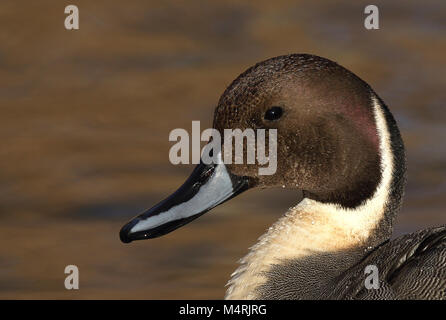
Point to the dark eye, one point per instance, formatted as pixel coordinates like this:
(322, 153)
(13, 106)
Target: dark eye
(273, 113)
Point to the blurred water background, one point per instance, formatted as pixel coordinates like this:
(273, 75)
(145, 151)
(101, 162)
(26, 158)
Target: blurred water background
(85, 117)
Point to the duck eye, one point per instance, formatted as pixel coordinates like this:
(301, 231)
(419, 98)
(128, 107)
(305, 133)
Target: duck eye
(273, 113)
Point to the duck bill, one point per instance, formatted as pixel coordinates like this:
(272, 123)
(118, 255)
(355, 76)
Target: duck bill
(207, 187)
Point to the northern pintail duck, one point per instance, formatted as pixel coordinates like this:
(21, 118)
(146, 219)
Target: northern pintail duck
(338, 142)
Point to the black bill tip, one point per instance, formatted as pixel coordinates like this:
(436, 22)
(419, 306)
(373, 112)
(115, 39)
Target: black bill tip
(125, 234)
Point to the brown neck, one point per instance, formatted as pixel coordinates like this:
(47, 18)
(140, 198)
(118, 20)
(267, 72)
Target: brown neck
(324, 239)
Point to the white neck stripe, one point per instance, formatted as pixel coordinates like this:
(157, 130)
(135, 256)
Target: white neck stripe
(312, 226)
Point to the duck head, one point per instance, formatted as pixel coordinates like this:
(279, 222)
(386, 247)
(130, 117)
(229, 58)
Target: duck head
(328, 142)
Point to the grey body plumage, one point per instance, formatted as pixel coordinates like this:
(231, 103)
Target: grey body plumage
(412, 266)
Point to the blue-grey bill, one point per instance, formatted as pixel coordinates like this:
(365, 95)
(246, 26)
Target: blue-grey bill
(207, 187)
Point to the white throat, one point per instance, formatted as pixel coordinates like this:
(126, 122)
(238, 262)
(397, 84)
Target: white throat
(312, 227)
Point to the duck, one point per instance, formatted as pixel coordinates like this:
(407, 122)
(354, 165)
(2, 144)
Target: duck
(338, 144)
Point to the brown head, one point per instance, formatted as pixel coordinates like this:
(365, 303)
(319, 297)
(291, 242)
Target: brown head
(327, 142)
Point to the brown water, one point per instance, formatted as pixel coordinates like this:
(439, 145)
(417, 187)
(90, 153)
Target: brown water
(85, 117)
